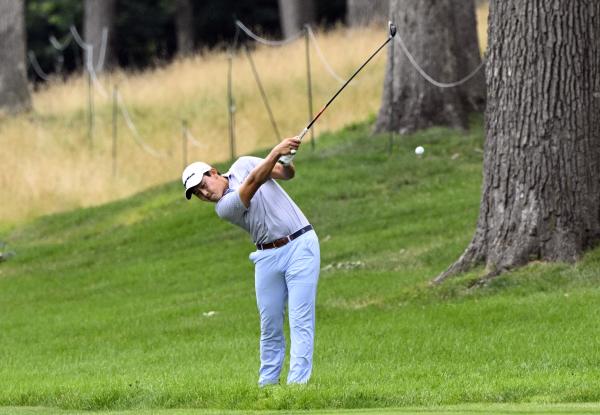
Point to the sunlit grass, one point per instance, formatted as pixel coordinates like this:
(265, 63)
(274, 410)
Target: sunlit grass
(109, 307)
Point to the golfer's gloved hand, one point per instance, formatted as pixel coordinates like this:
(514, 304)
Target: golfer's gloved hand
(288, 146)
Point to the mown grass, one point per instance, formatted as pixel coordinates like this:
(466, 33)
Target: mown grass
(104, 307)
(487, 409)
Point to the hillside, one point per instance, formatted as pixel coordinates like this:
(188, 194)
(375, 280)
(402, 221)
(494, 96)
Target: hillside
(55, 159)
(110, 307)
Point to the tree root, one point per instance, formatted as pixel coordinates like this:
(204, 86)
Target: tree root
(470, 258)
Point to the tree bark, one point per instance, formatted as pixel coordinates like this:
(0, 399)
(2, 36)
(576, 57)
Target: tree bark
(365, 12)
(541, 171)
(428, 30)
(184, 27)
(99, 14)
(294, 14)
(14, 92)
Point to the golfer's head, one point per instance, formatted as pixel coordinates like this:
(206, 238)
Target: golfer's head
(203, 181)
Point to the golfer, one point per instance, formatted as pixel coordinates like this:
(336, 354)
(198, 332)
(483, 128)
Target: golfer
(287, 258)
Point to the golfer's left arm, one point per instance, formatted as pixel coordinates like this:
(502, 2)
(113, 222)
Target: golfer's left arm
(283, 172)
(268, 169)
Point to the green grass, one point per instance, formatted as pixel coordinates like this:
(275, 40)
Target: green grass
(102, 308)
(487, 409)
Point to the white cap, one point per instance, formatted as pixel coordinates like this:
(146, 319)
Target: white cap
(192, 176)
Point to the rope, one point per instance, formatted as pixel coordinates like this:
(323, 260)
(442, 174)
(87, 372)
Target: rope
(90, 69)
(36, 66)
(193, 140)
(322, 57)
(78, 38)
(60, 46)
(136, 135)
(102, 54)
(429, 78)
(89, 56)
(266, 41)
(89, 48)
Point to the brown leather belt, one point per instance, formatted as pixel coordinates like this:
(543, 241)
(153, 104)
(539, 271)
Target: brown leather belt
(283, 241)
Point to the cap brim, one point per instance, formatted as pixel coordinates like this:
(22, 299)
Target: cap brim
(192, 183)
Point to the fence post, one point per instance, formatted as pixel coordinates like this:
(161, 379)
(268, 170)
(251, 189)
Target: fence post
(114, 131)
(391, 103)
(309, 85)
(263, 95)
(231, 107)
(184, 142)
(90, 111)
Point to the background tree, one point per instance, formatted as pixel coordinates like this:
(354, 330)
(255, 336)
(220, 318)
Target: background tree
(429, 30)
(469, 55)
(99, 14)
(294, 14)
(14, 94)
(364, 12)
(45, 18)
(541, 169)
(184, 26)
(147, 30)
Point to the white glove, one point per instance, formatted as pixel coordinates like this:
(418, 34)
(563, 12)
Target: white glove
(287, 159)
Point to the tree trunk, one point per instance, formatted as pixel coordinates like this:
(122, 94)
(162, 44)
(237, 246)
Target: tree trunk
(294, 14)
(469, 55)
(364, 12)
(428, 30)
(99, 14)
(14, 93)
(541, 170)
(184, 27)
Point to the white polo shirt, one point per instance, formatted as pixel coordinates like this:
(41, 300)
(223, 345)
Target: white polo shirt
(272, 214)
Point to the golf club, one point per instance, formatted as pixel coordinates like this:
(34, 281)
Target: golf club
(285, 160)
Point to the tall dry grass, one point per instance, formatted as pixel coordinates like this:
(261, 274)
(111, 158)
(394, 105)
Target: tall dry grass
(47, 163)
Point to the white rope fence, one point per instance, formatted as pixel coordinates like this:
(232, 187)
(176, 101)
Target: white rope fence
(103, 45)
(134, 131)
(192, 140)
(322, 57)
(92, 70)
(36, 66)
(266, 41)
(424, 74)
(89, 49)
(94, 77)
(338, 78)
(60, 46)
(313, 39)
(56, 44)
(89, 58)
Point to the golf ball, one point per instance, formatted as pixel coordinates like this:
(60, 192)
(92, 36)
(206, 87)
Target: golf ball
(419, 150)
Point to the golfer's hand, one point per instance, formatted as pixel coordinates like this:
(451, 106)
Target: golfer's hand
(287, 146)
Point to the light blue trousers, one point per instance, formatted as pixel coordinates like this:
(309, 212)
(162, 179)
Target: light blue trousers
(287, 274)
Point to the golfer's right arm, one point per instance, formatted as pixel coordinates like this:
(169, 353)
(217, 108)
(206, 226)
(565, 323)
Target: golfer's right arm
(261, 173)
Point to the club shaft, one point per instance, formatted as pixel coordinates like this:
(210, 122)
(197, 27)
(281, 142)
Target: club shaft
(346, 83)
(285, 160)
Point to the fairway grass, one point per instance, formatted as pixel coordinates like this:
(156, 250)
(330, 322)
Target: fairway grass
(109, 308)
(488, 409)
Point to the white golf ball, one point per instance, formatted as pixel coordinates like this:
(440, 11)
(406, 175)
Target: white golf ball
(419, 150)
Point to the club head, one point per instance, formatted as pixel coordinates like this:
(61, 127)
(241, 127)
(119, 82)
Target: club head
(392, 29)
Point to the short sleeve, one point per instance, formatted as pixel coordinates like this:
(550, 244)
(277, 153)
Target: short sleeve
(244, 165)
(230, 207)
